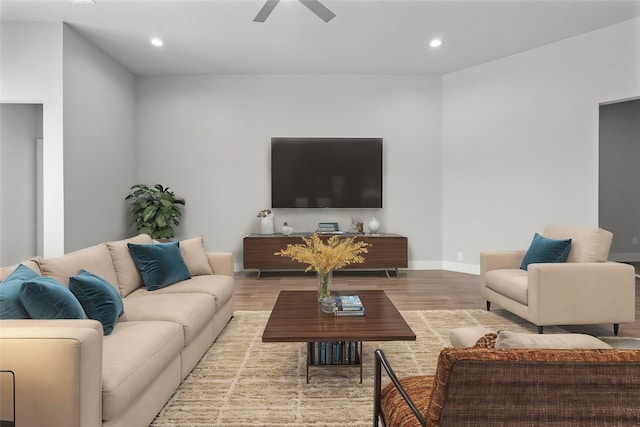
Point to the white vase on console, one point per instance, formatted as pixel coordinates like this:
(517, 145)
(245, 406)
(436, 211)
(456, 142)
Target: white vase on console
(266, 224)
(287, 229)
(374, 225)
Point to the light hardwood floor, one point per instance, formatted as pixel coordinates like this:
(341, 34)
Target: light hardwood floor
(412, 290)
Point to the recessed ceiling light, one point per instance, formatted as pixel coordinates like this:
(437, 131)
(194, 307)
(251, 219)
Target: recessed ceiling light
(157, 42)
(435, 43)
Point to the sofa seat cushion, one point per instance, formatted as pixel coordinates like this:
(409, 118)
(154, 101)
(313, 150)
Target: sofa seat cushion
(393, 407)
(221, 287)
(134, 355)
(192, 311)
(512, 283)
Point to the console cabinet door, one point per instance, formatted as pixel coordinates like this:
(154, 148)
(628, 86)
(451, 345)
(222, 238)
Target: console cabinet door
(386, 252)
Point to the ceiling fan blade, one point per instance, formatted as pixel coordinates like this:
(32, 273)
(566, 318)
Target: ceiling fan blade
(319, 9)
(266, 11)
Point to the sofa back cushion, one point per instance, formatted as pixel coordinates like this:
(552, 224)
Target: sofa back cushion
(508, 339)
(195, 256)
(588, 387)
(95, 259)
(128, 276)
(587, 244)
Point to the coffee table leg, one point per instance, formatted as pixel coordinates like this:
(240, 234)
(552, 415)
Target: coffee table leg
(309, 350)
(361, 362)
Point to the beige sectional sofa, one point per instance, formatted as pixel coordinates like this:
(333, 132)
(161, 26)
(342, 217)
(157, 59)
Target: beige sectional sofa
(69, 374)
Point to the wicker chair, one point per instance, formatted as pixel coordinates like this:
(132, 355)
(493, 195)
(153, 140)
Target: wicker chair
(514, 387)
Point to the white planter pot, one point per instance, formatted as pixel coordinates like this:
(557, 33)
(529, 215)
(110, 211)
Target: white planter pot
(266, 224)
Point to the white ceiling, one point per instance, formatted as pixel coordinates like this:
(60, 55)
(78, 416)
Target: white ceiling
(366, 37)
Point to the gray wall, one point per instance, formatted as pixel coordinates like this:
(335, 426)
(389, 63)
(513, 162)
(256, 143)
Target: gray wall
(99, 143)
(619, 206)
(36, 78)
(474, 160)
(208, 138)
(520, 141)
(20, 128)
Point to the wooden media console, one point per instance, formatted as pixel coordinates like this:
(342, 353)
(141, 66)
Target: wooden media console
(388, 251)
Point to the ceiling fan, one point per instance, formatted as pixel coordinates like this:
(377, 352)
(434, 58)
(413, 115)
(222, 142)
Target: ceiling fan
(313, 5)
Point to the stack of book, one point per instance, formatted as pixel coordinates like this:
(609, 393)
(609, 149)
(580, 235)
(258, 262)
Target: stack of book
(349, 305)
(329, 228)
(334, 353)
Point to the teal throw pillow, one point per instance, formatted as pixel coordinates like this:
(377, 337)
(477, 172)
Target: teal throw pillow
(160, 264)
(10, 305)
(100, 300)
(543, 250)
(46, 298)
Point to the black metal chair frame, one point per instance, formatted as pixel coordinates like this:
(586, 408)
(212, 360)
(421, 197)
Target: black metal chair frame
(380, 362)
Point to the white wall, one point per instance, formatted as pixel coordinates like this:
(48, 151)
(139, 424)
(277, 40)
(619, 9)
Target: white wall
(99, 143)
(18, 205)
(520, 142)
(31, 72)
(208, 138)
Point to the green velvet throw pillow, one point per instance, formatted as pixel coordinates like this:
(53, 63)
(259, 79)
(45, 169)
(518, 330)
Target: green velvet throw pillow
(160, 264)
(543, 250)
(46, 298)
(100, 300)
(10, 305)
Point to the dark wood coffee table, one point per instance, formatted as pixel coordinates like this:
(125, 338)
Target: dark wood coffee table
(298, 317)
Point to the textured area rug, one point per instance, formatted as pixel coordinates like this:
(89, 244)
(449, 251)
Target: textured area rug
(242, 381)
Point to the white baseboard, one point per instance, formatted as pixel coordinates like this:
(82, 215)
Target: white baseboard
(427, 265)
(461, 267)
(625, 257)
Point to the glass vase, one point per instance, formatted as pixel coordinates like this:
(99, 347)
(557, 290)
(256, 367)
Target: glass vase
(324, 285)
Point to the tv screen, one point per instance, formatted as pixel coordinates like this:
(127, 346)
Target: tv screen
(326, 172)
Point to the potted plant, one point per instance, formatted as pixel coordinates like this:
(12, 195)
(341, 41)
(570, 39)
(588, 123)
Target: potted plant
(155, 210)
(324, 257)
(266, 221)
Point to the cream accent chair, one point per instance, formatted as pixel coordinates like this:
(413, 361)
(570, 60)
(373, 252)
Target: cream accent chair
(586, 289)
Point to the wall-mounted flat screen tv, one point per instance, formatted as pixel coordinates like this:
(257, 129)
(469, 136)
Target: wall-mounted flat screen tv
(326, 172)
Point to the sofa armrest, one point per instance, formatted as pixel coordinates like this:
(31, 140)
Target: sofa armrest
(58, 371)
(498, 260)
(221, 263)
(586, 292)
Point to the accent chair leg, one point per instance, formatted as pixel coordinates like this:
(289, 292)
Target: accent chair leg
(616, 327)
(488, 305)
(541, 329)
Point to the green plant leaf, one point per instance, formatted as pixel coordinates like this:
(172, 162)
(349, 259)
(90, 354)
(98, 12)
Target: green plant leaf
(149, 213)
(154, 210)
